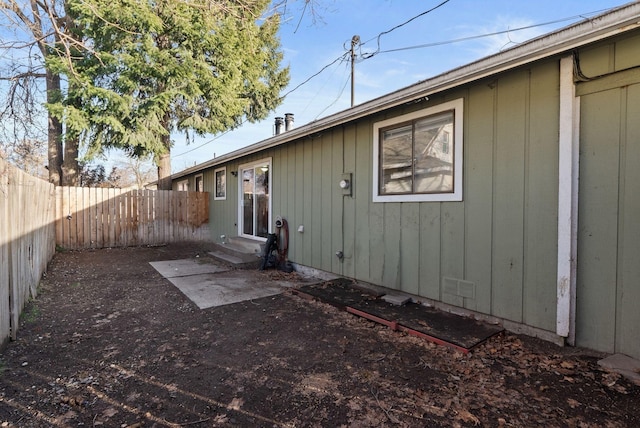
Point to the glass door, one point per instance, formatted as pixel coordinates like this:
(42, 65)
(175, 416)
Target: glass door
(255, 209)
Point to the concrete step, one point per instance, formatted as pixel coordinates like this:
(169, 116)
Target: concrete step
(240, 252)
(240, 263)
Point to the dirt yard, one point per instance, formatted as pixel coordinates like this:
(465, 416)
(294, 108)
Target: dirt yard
(109, 342)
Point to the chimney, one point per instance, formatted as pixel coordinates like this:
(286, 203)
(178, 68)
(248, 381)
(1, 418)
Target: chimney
(288, 121)
(279, 123)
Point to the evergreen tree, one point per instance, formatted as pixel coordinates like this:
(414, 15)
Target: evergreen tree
(154, 67)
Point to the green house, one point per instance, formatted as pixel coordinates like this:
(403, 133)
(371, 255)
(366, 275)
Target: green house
(507, 189)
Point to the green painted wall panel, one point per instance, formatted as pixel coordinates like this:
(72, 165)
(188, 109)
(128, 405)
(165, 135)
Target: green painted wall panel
(279, 189)
(327, 206)
(627, 53)
(299, 201)
(430, 256)
(377, 218)
(452, 247)
(508, 212)
(452, 232)
(598, 216)
(478, 192)
(628, 319)
(337, 211)
(541, 190)
(289, 210)
(507, 217)
(361, 192)
(610, 56)
(349, 219)
(410, 248)
(307, 193)
(225, 213)
(316, 202)
(596, 60)
(376, 243)
(391, 230)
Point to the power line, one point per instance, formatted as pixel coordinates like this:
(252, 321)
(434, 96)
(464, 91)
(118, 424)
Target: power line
(341, 57)
(336, 99)
(210, 141)
(401, 25)
(479, 36)
(344, 56)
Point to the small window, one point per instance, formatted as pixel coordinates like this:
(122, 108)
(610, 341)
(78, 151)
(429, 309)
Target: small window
(418, 156)
(221, 184)
(199, 183)
(183, 185)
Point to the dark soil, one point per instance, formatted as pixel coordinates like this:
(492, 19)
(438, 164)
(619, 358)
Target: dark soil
(109, 342)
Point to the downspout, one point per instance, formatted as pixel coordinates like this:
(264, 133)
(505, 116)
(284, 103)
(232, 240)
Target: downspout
(568, 163)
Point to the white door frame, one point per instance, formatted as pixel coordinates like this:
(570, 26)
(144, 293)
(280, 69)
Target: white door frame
(241, 168)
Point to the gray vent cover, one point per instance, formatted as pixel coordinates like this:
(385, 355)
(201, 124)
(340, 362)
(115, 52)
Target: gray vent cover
(459, 287)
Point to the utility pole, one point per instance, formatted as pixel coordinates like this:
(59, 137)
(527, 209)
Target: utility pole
(354, 41)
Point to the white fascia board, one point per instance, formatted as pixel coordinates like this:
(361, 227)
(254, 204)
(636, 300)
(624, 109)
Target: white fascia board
(620, 20)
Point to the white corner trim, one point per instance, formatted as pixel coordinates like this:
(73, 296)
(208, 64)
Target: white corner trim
(567, 199)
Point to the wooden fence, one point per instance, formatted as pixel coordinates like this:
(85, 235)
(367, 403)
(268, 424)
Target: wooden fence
(27, 242)
(102, 218)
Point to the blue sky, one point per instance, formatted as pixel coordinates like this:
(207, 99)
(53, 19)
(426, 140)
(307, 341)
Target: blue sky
(312, 41)
(309, 46)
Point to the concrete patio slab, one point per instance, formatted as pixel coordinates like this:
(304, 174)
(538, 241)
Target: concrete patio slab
(209, 285)
(626, 366)
(177, 268)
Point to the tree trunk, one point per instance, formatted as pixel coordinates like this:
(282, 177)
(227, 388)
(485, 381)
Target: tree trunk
(54, 131)
(164, 160)
(70, 166)
(164, 171)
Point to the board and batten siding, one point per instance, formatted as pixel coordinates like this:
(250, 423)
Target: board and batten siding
(500, 241)
(608, 285)
(496, 251)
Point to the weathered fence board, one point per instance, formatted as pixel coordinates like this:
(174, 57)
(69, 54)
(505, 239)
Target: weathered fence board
(35, 216)
(27, 232)
(102, 218)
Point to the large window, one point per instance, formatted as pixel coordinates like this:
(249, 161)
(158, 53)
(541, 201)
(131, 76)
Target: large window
(418, 156)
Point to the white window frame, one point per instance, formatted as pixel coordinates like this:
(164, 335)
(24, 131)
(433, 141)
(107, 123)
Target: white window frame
(195, 182)
(183, 185)
(457, 107)
(215, 181)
